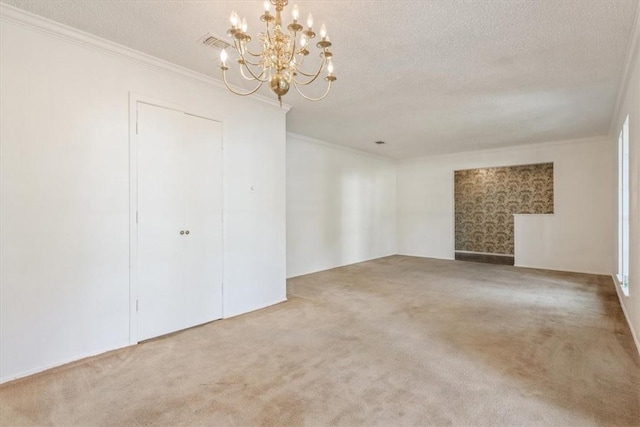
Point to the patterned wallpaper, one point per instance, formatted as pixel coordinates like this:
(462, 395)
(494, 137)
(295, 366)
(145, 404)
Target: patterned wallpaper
(486, 199)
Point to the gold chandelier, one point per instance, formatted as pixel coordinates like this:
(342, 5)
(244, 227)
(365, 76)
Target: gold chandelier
(280, 63)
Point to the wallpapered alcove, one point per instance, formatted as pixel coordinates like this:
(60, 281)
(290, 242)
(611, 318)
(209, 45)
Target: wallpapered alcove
(487, 198)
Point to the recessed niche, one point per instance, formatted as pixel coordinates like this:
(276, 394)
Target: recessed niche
(486, 200)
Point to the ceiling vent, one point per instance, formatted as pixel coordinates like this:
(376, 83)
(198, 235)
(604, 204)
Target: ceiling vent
(209, 40)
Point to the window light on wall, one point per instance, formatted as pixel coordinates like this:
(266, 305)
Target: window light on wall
(623, 207)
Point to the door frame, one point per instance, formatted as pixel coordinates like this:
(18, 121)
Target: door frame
(134, 99)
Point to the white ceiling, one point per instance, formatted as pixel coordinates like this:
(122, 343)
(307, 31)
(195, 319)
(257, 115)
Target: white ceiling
(427, 77)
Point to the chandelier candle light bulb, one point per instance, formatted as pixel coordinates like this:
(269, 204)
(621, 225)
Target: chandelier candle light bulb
(223, 57)
(280, 62)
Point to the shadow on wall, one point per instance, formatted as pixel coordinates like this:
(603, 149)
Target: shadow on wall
(487, 198)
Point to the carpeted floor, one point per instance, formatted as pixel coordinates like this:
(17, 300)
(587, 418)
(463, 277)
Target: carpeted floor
(399, 341)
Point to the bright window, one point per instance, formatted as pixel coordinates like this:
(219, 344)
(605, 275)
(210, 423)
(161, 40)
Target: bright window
(623, 207)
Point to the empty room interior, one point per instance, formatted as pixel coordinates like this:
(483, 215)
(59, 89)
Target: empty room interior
(329, 213)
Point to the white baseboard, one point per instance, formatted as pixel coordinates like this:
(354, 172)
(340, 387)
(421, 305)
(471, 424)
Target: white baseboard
(327, 268)
(621, 297)
(535, 267)
(57, 364)
(447, 258)
(254, 309)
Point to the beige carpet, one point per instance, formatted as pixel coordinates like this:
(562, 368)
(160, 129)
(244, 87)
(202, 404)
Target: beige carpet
(392, 342)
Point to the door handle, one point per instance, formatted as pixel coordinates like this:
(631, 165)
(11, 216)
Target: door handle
(181, 231)
(187, 232)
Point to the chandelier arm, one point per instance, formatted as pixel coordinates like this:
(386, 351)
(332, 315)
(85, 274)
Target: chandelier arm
(239, 50)
(302, 55)
(309, 75)
(246, 49)
(293, 49)
(245, 65)
(246, 61)
(313, 76)
(256, 55)
(253, 77)
(224, 78)
(295, 85)
(301, 60)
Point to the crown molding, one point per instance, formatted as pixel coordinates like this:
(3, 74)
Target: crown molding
(625, 75)
(338, 147)
(537, 145)
(533, 146)
(55, 29)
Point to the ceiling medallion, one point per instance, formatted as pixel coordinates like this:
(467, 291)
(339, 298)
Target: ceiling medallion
(280, 62)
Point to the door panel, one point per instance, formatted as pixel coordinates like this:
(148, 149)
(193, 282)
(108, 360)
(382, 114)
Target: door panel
(160, 219)
(179, 189)
(203, 213)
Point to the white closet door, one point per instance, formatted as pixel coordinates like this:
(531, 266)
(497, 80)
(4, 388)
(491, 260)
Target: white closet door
(203, 202)
(160, 218)
(179, 181)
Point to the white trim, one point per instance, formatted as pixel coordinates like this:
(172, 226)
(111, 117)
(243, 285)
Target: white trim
(66, 361)
(133, 226)
(340, 266)
(55, 29)
(633, 48)
(537, 145)
(621, 296)
(426, 256)
(253, 310)
(339, 147)
(595, 273)
(452, 191)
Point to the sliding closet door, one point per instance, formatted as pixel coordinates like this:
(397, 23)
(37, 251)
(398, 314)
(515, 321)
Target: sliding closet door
(179, 230)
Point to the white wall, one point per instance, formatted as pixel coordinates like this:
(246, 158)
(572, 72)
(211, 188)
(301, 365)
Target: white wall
(64, 213)
(340, 206)
(577, 237)
(629, 104)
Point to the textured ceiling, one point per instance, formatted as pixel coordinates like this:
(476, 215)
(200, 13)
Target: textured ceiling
(425, 76)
